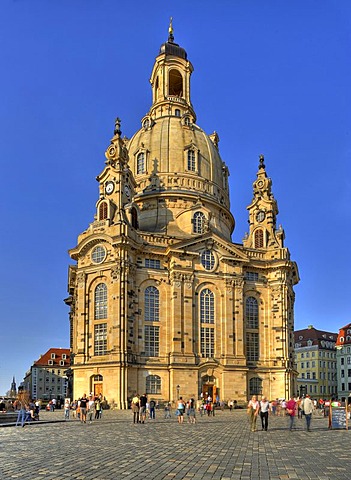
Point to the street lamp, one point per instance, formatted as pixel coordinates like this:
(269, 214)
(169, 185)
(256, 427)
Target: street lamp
(178, 390)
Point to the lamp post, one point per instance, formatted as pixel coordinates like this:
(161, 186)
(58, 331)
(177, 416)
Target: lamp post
(178, 390)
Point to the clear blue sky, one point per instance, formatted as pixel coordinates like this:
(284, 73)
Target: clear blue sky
(270, 77)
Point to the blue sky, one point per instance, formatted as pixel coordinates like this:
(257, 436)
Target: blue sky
(270, 77)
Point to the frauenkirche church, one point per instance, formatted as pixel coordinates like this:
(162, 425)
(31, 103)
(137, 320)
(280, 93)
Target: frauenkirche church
(161, 300)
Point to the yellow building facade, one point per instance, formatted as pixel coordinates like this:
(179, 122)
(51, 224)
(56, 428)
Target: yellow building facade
(161, 300)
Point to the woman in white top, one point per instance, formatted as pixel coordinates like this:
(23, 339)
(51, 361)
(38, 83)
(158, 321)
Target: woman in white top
(253, 408)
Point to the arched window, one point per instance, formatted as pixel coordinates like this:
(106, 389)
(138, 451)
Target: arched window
(198, 222)
(191, 165)
(177, 112)
(175, 83)
(134, 214)
(252, 332)
(259, 238)
(152, 304)
(207, 332)
(100, 298)
(255, 386)
(157, 86)
(206, 306)
(207, 259)
(103, 211)
(141, 163)
(153, 384)
(251, 313)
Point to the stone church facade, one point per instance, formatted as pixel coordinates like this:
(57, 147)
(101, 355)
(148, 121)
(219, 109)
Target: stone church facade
(161, 300)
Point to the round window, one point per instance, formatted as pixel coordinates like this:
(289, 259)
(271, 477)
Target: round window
(98, 254)
(207, 260)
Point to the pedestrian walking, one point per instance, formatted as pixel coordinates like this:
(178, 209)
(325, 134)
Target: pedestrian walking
(91, 408)
(142, 408)
(97, 408)
(180, 410)
(83, 408)
(152, 407)
(74, 406)
(307, 408)
(168, 410)
(66, 408)
(291, 407)
(191, 411)
(264, 411)
(135, 408)
(253, 408)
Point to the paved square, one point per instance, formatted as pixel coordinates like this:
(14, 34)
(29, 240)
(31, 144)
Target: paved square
(216, 448)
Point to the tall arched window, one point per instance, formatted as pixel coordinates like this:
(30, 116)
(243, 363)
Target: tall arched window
(141, 163)
(152, 304)
(198, 222)
(259, 238)
(153, 384)
(206, 306)
(134, 215)
(251, 313)
(103, 211)
(252, 332)
(191, 161)
(175, 83)
(207, 331)
(100, 298)
(255, 386)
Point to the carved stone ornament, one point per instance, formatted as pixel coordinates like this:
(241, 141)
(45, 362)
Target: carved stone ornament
(188, 279)
(176, 278)
(81, 277)
(115, 272)
(239, 282)
(111, 152)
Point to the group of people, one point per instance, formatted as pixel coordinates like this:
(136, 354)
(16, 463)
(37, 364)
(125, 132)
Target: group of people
(85, 408)
(139, 408)
(186, 408)
(142, 409)
(290, 408)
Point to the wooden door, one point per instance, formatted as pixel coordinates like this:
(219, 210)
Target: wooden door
(97, 389)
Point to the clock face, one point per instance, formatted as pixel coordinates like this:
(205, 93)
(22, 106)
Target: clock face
(109, 187)
(260, 216)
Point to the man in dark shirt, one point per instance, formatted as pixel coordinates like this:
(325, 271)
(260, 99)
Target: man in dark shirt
(83, 408)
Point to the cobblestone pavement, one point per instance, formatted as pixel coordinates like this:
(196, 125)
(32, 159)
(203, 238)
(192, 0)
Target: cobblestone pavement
(222, 447)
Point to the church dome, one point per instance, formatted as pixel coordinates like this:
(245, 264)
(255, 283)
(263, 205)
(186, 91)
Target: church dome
(173, 159)
(181, 155)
